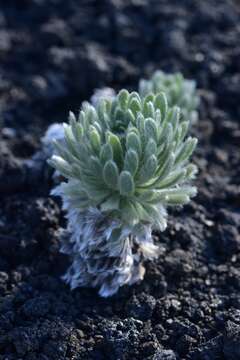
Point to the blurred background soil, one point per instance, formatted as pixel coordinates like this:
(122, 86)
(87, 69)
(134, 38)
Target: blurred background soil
(53, 53)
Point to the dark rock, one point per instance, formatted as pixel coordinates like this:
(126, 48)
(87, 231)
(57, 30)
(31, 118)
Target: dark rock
(141, 307)
(121, 337)
(3, 282)
(209, 350)
(9, 246)
(165, 355)
(37, 307)
(227, 240)
(231, 341)
(11, 169)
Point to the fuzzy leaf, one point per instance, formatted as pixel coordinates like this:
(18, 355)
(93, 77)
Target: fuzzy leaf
(95, 140)
(131, 162)
(178, 199)
(115, 143)
(111, 174)
(126, 183)
(140, 123)
(61, 165)
(172, 179)
(191, 171)
(135, 106)
(186, 150)
(162, 104)
(151, 148)
(133, 142)
(130, 117)
(123, 98)
(106, 153)
(148, 170)
(112, 203)
(148, 109)
(95, 166)
(151, 130)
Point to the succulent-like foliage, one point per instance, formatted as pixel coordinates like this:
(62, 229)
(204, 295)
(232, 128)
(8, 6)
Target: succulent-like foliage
(179, 91)
(125, 162)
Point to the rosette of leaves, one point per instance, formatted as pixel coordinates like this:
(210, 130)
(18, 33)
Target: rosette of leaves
(124, 163)
(179, 91)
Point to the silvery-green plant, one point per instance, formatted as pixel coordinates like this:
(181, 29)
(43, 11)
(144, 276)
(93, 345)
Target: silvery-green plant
(124, 163)
(179, 91)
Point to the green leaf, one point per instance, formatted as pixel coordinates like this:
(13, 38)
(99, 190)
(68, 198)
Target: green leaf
(191, 171)
(62, 151)
(69, 139)
(151, 196)
(130, 117)
(91, 114)
(95, 166)
(95, 140)
(123, 98)
(161, 103)
(112, 203)
(128, 211)
(82, 152)
(178, 196)
(133, 142)
(106, 153)
(166, 134)
(140, 123)
(103, 118)
(135, 106)
(184, 129)
(172, 179)
(111, 174)
(119, 115)
(76, 171)
(148, 170)
(151, 130)
(76, 127)
(142, 213)
(149, 98)
(174, 117)
(186, 150)
(74, 189)
(158, 117)
(152, 211)
(177, 199)
(83, 120)
(165, 168)
(134, 95)
(61, 165)
(115, 143)
(151, 148)
(131, 162)
(148, 109)
(97, 195)
(126, 183)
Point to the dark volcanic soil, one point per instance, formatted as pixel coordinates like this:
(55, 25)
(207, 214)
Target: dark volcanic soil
(53, 53)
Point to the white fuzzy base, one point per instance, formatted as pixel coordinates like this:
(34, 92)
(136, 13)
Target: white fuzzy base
(105, 253)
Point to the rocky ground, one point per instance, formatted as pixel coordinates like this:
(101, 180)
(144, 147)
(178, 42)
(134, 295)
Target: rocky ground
(53, 53)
